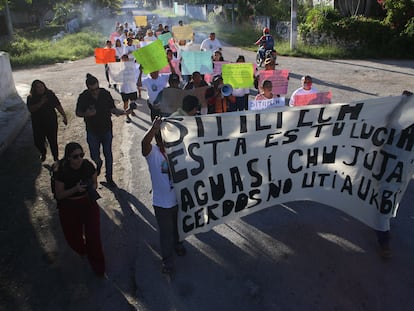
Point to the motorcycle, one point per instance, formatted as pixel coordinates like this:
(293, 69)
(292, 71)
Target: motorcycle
(267, 54)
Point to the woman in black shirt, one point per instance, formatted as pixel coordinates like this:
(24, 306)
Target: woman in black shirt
(75, 192)
(42, 103)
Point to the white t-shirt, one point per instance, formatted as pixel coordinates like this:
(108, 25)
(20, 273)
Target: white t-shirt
(154, 86)
(163, 194)
(150, 38)
(128, 49)
(210, 45)
(301, 91)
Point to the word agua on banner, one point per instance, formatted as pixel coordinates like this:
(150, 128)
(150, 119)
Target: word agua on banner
(356, 157)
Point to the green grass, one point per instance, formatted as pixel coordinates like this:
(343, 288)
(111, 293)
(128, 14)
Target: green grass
(36, 47)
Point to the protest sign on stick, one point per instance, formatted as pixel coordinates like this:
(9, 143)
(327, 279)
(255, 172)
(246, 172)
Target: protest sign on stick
(152, 57)
(184, 32)
(313, 99)
(104, 56)
(196, 61)
(141, 20)
(279, 79)
(238, 75)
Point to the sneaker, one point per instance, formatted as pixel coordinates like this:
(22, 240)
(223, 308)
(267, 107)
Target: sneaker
(128, 120)
(110, 183)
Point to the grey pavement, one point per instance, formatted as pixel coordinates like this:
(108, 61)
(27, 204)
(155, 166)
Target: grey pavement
(294, 256)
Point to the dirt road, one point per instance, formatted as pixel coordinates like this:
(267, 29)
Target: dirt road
(299, 256)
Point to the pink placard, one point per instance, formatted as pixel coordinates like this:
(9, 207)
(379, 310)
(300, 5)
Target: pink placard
(313, 99)
(176, 64)
(279, 79)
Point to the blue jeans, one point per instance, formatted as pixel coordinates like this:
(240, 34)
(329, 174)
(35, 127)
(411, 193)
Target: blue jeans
(95, 141)
(262, 52)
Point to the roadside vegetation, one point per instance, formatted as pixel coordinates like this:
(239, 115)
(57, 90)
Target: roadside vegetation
(323, 33)
(32, 47)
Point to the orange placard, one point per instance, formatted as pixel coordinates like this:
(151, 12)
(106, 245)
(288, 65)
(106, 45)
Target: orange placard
(104, 56)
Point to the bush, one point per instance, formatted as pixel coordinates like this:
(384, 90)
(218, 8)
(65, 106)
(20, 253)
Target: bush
(409, 28)
(364, 37)
(30, 52)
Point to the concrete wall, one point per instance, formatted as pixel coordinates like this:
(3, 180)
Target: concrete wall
(8, 92)
(13, 111)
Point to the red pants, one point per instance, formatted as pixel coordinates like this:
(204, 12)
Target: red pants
(81, 226)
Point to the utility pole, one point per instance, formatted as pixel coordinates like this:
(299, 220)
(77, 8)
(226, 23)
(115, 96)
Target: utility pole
(8, 20)
(293, 24)
(232, 13)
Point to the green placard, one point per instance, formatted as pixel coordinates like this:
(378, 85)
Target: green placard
(238, 75)
(152, 57)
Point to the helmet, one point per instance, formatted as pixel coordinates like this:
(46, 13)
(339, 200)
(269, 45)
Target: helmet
(266, 30)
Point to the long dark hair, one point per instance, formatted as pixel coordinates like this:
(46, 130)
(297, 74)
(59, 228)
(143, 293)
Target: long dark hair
(33, 88)
(69, 148)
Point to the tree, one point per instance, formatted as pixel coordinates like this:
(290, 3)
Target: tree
(398, 12)
(366, 8)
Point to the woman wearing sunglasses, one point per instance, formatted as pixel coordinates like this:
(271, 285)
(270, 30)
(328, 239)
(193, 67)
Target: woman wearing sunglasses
(75, 192)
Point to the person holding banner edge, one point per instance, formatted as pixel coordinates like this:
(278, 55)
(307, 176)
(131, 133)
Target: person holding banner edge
(306, 88)
(164, 199)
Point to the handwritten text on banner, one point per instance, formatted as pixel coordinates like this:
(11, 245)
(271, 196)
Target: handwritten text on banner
(357, 157)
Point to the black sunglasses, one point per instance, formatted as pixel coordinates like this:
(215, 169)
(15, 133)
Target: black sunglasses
(77, 156)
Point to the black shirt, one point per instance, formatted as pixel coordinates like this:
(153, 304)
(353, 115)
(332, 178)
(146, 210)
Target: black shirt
(46, 114)
(70, 177)
(101, 122)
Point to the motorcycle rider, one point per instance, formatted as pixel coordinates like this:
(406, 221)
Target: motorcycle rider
(265, 43)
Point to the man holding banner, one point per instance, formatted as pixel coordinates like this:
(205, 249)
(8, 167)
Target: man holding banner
(164, 199)
(306, 89)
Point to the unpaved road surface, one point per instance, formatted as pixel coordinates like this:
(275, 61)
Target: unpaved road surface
(295, 256)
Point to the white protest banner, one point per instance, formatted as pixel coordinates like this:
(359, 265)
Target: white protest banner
(279, 79)
(123, 72)
(356, 157)
(267, 103)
